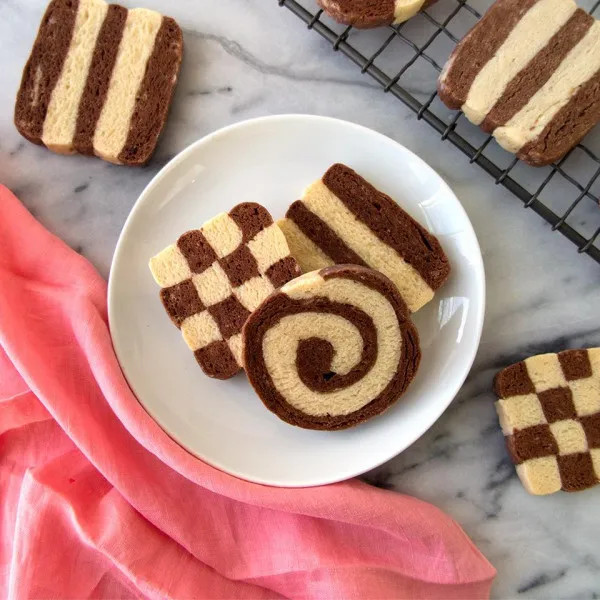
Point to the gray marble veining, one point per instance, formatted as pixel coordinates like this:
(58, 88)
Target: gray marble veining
(247, 58)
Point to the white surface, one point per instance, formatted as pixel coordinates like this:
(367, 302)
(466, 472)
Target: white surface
(250, 58)
(271, 160)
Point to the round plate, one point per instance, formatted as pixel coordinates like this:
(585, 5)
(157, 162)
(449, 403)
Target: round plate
(270, 161)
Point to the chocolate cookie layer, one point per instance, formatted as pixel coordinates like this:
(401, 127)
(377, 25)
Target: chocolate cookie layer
(154, 95)
(215, 276)
(331, 348)
(99, 80)
(342, 219)
(529, 73)
(549, 409)
(44, 67)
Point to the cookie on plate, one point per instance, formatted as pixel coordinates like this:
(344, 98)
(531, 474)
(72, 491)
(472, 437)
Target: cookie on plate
(549, 410)
(528, 72)
(331, 348)
(99, 80)
(215, 276)
(366, 14)
(343, 219)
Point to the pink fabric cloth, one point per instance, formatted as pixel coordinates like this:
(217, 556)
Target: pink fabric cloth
(96, 501)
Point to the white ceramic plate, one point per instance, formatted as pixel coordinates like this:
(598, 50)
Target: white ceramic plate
(270, 161)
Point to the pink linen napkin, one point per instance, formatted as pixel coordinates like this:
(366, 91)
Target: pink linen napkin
(98, 502)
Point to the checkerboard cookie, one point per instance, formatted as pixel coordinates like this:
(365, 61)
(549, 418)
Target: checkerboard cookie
(215, 276)
(99, 80)
(549, 410)
(331, 348)
(343, 219)
(529, 72)
(366, 14)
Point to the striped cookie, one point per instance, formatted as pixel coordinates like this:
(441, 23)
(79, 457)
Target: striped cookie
(99, 80)
(331, 348)
(529, 72)
(343, 219)
(215, 276)
(366, 14)
(549, 410)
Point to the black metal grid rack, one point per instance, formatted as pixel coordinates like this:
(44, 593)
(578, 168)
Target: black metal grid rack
(565, 194)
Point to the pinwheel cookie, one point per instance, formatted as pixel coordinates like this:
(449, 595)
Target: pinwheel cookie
(331, 348)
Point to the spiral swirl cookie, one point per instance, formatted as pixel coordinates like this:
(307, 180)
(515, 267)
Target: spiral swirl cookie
(331, 348)
(366, 14)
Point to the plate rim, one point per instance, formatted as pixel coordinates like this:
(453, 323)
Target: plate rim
(476, 263)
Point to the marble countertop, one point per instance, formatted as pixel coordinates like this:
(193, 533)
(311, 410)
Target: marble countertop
(248, 58)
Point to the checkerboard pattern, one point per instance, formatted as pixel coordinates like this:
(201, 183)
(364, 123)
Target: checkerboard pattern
(549, 410)
(215, 276)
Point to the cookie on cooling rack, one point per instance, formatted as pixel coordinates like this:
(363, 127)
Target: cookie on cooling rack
(549, 410)
(215, 276)
(343, 219)
(366, 14)
(529, 72)
(99, 80)
(331, 348)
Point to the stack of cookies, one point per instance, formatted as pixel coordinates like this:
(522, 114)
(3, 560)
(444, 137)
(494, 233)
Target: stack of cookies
(325, 350)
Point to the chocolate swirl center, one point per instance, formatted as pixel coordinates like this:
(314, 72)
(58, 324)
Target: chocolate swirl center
(315, 355)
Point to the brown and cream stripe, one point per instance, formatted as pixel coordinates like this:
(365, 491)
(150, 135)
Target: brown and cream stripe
(529, 72)
(99, 80)
(343, 219)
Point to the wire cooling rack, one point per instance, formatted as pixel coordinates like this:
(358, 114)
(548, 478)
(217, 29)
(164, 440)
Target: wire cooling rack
(405, 60)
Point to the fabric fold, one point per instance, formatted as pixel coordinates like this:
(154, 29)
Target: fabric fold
(97, 491)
